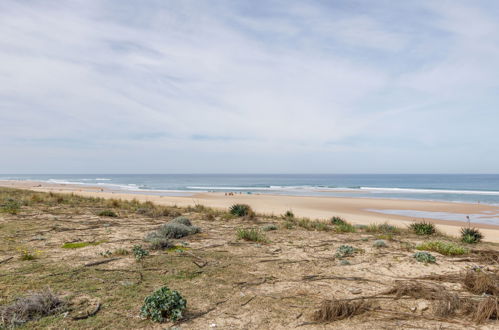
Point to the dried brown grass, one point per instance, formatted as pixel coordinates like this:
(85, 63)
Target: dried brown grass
(481, 282)
(333, 310)
(31, 307)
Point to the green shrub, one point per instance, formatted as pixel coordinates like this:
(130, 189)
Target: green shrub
(251, 235)
(159, 243)
(471, 235)
(289, 214)
(173, 229)
(182, 220)
(107, 213)
(425, 257)
(139, 253)
(379, 243)
(27, 255)
(269, 227)
(337, 220)
(10, 206)
(312, 225)
(344, 228)
(445, 248)
(241, 210)
(423, 228)
(383, 228)
(345, 251)
(164, 304)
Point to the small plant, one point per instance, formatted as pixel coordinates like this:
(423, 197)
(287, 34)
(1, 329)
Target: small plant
(471, 235)
(106, 253)
(345, 251)
(174, 229)
(164, 304)
(379, 243)
(139, 253)
(337, 220)
(241, 210)
(251, 235)
(425, 257)
(288, 224)
(344, 227)
(269, 227)
(10, 206)
(289, 214)
(160, 243)
(445, 248)
(423, 228)
(27, 255)
(107, 213)
(345, 262)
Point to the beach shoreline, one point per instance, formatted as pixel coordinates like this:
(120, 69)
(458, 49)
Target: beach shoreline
(354, 210)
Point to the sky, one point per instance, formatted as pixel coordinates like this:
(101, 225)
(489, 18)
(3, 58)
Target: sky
(255, 86)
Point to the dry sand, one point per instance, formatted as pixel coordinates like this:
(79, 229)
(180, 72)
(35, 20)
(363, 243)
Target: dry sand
(352, 209)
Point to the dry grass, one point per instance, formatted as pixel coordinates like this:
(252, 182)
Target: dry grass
(334, 310)
(481, 282)
(30, 307)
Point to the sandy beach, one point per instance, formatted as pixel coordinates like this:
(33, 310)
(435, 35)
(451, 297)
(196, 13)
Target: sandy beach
(355, 210)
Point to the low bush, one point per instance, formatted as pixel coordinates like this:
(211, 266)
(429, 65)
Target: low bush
(312, 225)
(269, 227)
(289, 214)
(445, 248)
(27, 255)
(345, 251)
(251, 235)
(139, 253)
(423, 228)
(337, 220)
(164, 304)
(471, 235)
(241, 210)
(107, 213)
(425, 257)
(30, 307)
(160, 243)
(182, 220)
(379, 243)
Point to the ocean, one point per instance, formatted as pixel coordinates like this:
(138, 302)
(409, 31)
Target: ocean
(469, 188)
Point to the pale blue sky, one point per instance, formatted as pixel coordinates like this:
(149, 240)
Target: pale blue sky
(249, 86)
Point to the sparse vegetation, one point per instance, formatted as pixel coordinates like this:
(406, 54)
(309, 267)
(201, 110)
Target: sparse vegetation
(10, 206)
(121, 252)
(383, 228)
(344, 227)
(251, 235)
(241, 210)
(425, 257)
(445, 248)
(107, 213)
(139, 253)
(423, 228)
(471, 235)
(164, 304)
(289, 214)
